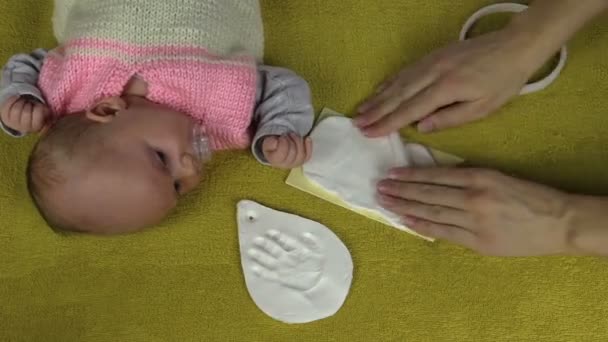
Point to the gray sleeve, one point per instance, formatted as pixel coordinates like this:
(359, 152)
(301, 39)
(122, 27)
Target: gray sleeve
(283, 106)
(20, 78)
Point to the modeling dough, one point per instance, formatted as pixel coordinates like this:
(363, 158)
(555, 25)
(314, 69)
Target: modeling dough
(350, 165)
(296, 270)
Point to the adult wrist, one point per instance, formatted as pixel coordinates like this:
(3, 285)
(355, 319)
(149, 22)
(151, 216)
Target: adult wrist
(532, 42)
(586, 225)
(541, 30)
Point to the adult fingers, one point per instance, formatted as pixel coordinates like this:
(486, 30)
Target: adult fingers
(425, 193)
(440, 231)
(429, 212)
(453, 116)
(406, 85)
(419, 106)
(447, 176)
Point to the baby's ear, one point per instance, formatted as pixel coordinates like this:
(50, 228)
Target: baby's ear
(106, 109)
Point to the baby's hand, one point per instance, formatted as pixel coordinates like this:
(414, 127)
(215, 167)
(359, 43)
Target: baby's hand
(287, 151)
(24, 115)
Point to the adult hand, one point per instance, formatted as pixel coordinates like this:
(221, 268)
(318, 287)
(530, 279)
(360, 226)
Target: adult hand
(454, 85)
(468, 80)
(486, 211)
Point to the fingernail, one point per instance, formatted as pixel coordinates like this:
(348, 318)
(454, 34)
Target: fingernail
(364, 107)
(393, 174)
(385, 200)
(383, 186)
(408, 221)
(425, 126)
(359, 121)
(367, 132)
(397, 173)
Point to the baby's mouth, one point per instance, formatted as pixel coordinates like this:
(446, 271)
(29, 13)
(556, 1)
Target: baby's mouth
(200, 143)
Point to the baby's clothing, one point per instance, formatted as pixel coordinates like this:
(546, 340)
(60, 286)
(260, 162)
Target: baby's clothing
(223, 27)
(282, 100)
(218, 92)
(197, 57)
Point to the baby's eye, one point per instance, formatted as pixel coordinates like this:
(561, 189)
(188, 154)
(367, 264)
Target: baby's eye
(178, 187)
(162, 157)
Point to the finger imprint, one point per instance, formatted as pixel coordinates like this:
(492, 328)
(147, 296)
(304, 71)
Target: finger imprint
(264, 273)
(310, 241)
(268, 246)
(287, 244)
(262, 259)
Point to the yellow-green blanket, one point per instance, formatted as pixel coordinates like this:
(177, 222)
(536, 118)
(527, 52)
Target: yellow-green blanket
(182, 281)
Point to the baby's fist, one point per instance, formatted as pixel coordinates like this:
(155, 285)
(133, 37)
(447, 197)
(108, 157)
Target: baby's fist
(24, 115)
(287, 151)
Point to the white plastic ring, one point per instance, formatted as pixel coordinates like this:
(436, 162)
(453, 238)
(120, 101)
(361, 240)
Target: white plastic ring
(510, 7)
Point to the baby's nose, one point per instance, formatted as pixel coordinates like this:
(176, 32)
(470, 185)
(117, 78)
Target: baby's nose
(189, 174)
(189, 166)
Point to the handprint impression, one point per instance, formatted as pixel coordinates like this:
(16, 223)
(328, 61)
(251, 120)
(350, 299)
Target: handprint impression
(293, 263)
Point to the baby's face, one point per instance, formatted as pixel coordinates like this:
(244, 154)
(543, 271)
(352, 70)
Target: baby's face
(132, 178)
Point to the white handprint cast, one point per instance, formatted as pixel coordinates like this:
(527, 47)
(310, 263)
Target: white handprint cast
(293, 263)
(296, 270)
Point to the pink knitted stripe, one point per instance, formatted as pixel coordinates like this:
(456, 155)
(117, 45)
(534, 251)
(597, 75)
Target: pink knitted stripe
(236, 92)
(77, 85)
(138, 50)
(218, 95)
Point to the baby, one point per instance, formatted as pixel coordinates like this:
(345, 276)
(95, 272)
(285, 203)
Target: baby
(136, 98)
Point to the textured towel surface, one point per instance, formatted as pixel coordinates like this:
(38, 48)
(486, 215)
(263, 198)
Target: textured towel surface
(182, 281)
